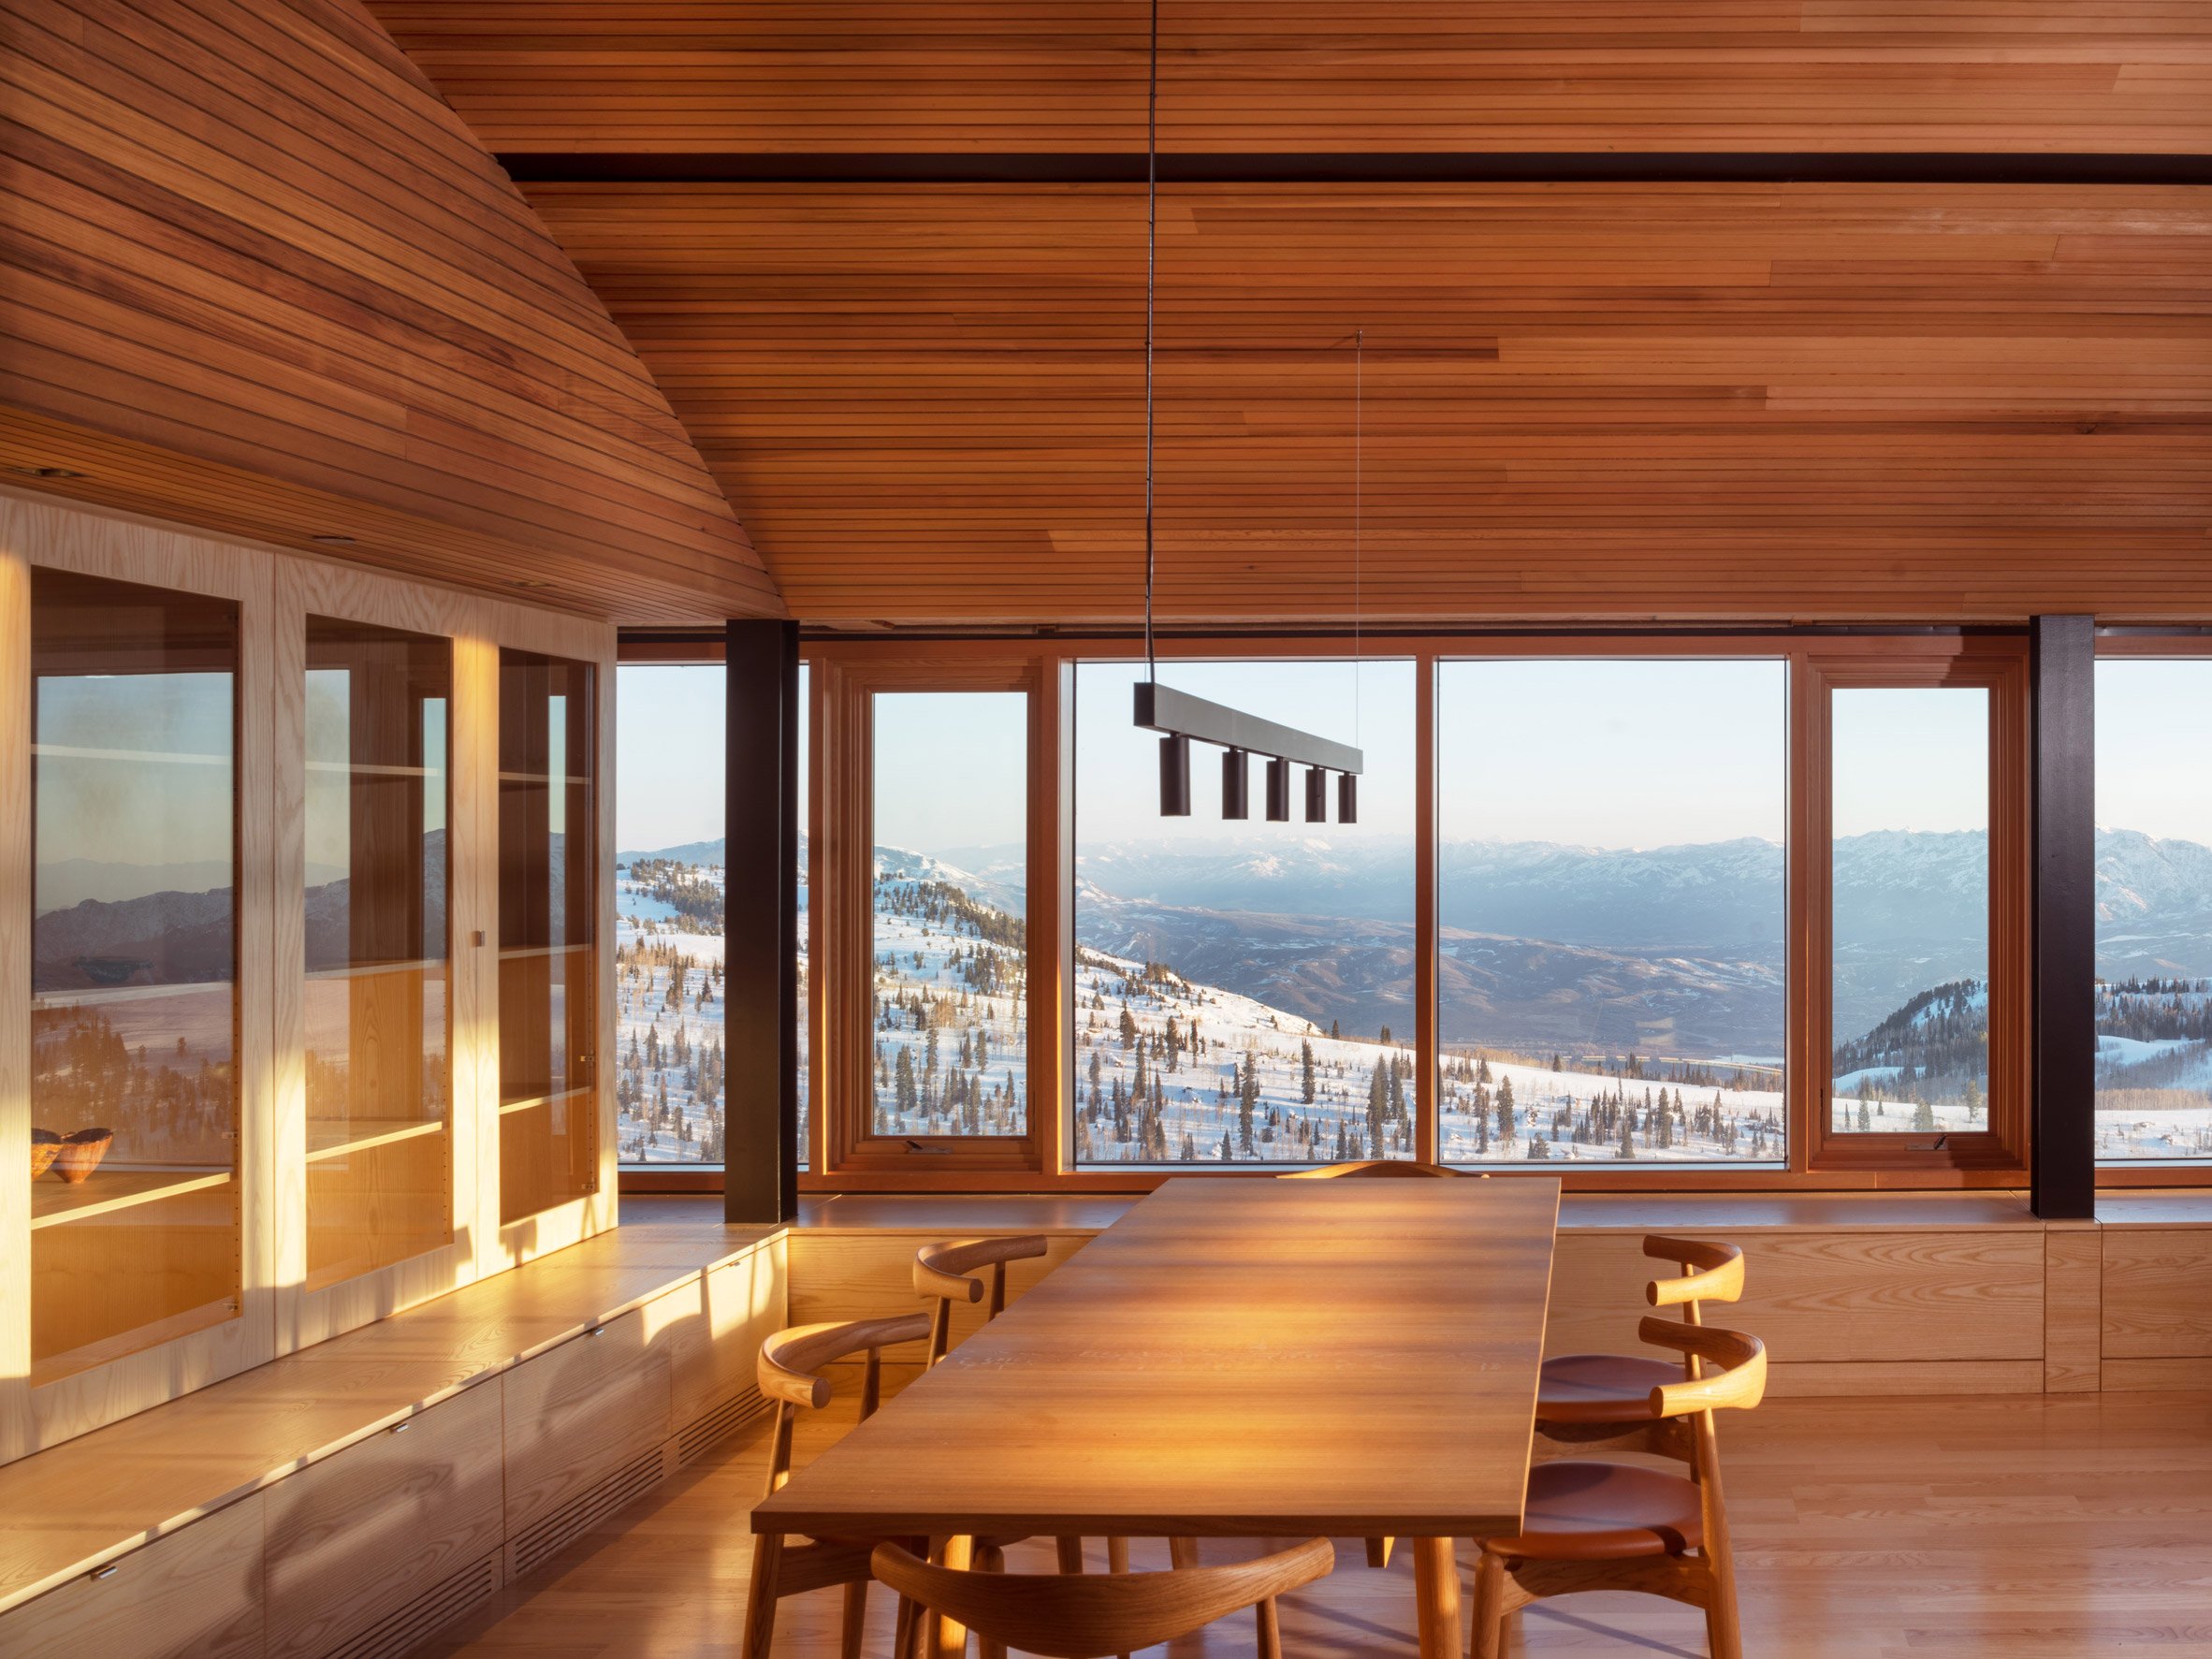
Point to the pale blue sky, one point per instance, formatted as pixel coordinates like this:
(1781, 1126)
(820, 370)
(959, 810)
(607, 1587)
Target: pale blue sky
(1612, 751)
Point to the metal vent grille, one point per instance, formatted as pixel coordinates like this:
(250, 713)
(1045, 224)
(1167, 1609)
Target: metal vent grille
(719, 1424)
(543, 1539)
(404, 1629)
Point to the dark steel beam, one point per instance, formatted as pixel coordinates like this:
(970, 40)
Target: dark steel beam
(1360, 167)
(761, 916)
(2063, 1165)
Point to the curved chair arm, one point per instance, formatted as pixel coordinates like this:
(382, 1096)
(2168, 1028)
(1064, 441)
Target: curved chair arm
(1741, 1386)
(941, 1269)
(790, 1359)
(1710, 1273)
(1085, 1616)
(1367, 1170)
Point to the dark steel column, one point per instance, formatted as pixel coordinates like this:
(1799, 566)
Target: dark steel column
(760, 981)
(2063, 662)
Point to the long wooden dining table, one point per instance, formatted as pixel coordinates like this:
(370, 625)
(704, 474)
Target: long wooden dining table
(1234, 1359)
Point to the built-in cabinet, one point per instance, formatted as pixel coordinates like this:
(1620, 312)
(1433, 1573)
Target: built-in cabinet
(301, 980)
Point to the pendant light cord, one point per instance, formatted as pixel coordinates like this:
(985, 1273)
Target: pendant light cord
(1151, 288)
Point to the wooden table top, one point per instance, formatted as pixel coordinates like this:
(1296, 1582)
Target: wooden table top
(1232, 1359)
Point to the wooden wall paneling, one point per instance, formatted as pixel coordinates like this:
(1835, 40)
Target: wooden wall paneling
(1627, 403)
(2072, 1307)
(754, 76)
(2157, 1301)
(16, 1432)
(251, 237)
(194, 1593)
(366, 1530)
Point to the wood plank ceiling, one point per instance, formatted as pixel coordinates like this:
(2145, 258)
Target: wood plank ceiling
(1948, 399)
(255, 276)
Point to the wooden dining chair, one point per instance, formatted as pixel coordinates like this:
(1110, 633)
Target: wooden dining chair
(788, 1366)
(945, 1272)
(1368, 1168)
(1064, 1616)
(1584, 1400)
(1588, 1526)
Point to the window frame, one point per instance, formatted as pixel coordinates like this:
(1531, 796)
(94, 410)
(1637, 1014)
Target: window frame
(1997, 665)
(846, 671)
(2183, 644)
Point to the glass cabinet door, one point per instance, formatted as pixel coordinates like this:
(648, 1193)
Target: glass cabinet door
(549, 934)
(378, 1068)
(134, 965)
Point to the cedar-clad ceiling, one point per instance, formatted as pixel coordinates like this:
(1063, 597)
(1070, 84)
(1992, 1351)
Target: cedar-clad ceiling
(1858, 395)
(257, 277)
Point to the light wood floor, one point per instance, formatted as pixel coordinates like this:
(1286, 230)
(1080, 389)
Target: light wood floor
(2033, 1527)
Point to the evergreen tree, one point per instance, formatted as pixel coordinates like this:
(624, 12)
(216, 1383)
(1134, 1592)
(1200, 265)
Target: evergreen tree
(1305, 1068)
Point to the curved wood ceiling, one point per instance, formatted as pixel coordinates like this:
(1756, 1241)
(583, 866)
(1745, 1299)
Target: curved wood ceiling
(1925, 401)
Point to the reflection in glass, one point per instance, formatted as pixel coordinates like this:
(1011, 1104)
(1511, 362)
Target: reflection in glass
(377, 1065)
(950, 1053)
(1909, 804)
(2154, 911)
(1243, 990)
(549, 1006)
(132, 967)
(1612, 913)
(671, 720)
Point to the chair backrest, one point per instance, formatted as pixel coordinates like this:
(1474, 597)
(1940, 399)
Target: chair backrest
(790, 1358)
(1739, 1384)
(1710, 1273)
(941, 1270)
(1087, 1615)
(1373, 1169)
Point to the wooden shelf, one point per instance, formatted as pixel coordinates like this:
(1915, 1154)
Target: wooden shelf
(335, 1136)
(524, 952)
(509, 1107)
(72, 752)
(370, 970)
(106, 1190)
(375, 769)
(99, 995)
(540, 778)
(131, 1341)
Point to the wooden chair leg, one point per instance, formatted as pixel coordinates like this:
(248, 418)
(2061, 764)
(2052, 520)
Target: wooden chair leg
(1117, 1555)
(1070, 1554)
(948, 1637)
(1271, 1630)
(1724, 1633)
(760, 1599)
(902, 1630)
(992, 1560)
(1183, 1553)
(1378, 1551)
(1488, 1640)
(854, 1624)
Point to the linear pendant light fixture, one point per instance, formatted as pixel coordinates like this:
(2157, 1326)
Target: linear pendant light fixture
(1178, 717)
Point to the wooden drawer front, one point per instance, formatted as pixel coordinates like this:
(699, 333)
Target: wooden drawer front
(580, 1413)
(195, 1593)
(713, 1328)
(2158, 1297)
(372, 1528)
(1842, 1296)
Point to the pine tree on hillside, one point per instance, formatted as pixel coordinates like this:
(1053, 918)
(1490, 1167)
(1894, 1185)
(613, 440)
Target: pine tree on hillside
(1306, 1069)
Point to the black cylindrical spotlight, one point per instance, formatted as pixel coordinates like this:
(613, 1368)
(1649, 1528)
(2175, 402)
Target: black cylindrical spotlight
(1348, 797)
(1317, 795)
(1278, 791)
(1174, 777)
(1236, 783)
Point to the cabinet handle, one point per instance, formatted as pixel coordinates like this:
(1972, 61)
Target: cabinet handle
(106, 1572)
(402, 1427)
(596, 1331)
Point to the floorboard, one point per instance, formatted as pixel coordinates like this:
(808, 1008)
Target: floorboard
(2037, 1527)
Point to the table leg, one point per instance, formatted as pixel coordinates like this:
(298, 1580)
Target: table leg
(1436, 1597)
(948, 1636)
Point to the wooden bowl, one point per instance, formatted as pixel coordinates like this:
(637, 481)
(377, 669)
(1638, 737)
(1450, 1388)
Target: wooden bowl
(44, 1146)
(80, 1155)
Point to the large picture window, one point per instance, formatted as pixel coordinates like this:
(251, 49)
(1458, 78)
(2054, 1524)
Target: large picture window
(670, 720)
(1241, 992)
(2154, 911)
(1611, 907)
(950, 978)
